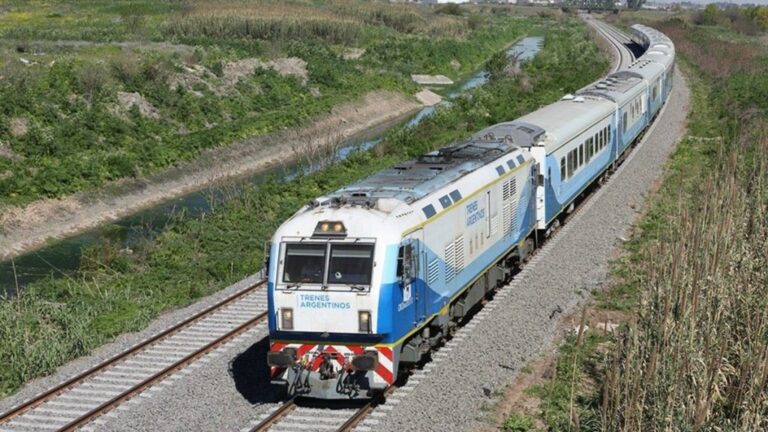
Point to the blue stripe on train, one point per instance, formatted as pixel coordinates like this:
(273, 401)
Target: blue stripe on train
(396, 319)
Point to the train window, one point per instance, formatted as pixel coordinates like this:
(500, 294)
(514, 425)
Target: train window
(404, 260)
(589, 149)
(500, 170)
(511, 163)
(350, 264)
(304, 263)
(429, 211)
(520, 159)
(445, 201)
(455, 195)
(562, 168)
(581, 154)
(573, 162)
(609, 135)
(624, 125)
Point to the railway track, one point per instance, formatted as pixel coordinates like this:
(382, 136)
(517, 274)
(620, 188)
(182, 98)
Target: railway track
(625, 56)
(292, 417)
(78, 402)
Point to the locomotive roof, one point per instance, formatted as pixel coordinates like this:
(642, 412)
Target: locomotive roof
(414, 179)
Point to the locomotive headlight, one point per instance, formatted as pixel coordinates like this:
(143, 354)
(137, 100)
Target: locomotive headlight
(364, 320)
(286, 318)
(330, 229)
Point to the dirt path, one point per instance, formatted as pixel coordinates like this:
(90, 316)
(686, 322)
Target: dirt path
(23, 229)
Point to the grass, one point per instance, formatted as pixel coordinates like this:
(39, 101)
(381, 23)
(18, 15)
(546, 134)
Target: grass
(692, 355)
(64, 64)
(55, 320)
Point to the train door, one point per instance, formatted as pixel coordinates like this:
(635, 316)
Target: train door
(411, 262)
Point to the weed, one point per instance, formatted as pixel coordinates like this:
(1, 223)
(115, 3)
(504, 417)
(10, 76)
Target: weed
(518, 423)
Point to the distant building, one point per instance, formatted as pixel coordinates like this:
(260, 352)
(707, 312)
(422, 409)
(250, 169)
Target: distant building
(436, 1)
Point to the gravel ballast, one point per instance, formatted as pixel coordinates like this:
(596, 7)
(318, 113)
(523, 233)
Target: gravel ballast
(457, 391)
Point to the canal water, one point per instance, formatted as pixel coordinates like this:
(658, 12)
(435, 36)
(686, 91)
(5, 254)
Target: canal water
(63, 257)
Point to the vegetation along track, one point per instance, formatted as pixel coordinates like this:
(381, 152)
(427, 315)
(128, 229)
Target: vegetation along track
(77, 402)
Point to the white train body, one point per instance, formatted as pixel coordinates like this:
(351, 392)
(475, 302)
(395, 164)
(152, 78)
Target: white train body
(377, 273)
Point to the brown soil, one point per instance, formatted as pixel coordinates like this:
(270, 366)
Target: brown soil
(291, 66)
(23, 229)
(518, 400)
(19, 126)
(127, 100)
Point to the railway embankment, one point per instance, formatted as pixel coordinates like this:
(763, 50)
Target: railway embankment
(685, 297)
(120, 293)
(30, 227)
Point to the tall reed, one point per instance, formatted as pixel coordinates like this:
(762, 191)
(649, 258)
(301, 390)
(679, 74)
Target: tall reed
(697, 357)
(272, 29)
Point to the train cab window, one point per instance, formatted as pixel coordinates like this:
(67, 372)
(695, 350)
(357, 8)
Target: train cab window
(562, 168)
(455, 195)
(304, 263)
(350, 264)
(445, 201)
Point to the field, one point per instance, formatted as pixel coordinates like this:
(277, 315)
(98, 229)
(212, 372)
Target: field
(55, 320)
(97, 91)
(690, 286)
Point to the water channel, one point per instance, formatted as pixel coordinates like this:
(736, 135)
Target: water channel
(63, 257)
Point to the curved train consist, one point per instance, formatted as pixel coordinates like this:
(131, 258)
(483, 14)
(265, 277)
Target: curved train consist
(376, 274)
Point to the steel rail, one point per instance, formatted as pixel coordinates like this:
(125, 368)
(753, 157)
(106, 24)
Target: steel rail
(103, 408)
(620, 49)
(82, 377)
(365, 410)
(275, 417)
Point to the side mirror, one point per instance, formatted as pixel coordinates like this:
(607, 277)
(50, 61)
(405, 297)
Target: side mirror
(406, 269)
(267, 251)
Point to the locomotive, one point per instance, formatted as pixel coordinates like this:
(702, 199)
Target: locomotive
(376, 274)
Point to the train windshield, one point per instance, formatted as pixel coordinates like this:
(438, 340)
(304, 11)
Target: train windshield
(346, 263)
(350, 264)
(304, 263)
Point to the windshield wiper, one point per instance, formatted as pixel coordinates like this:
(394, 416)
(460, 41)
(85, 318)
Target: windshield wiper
(295, 286)
(357, 287)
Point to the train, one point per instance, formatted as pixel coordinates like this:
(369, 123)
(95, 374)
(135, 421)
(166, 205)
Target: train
(370, 278)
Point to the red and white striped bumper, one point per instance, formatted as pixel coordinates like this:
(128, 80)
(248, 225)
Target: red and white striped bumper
(312, 357)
